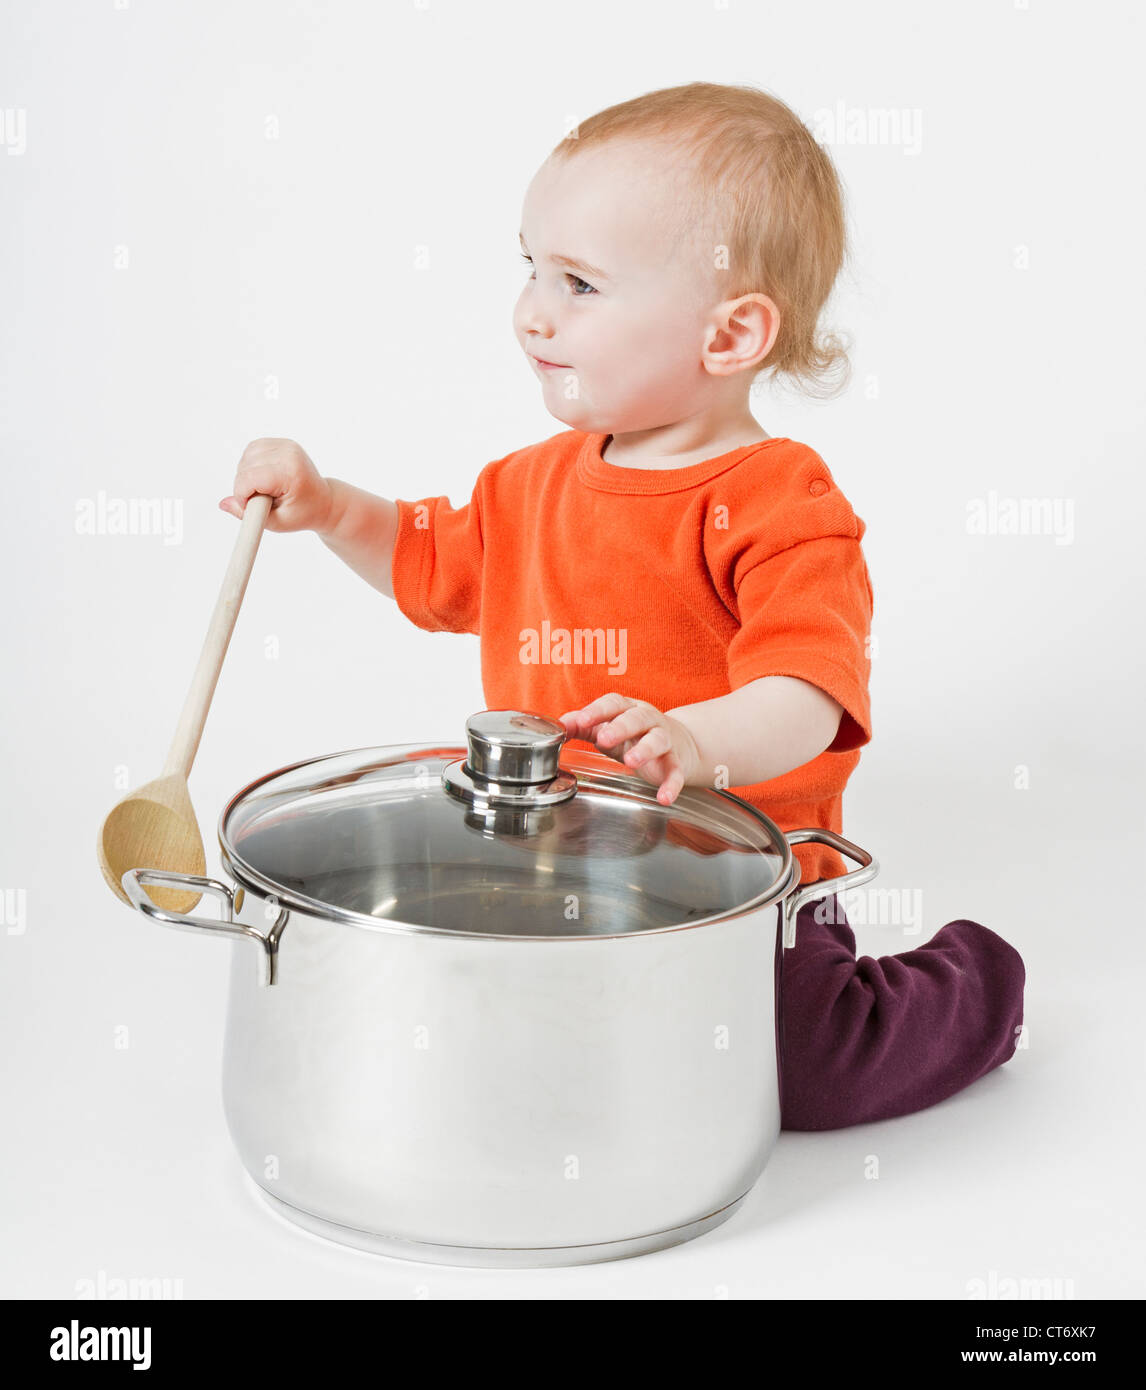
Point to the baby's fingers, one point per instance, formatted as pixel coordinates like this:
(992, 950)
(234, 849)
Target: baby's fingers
(235, 507)
(655, 744)
(269, 478)
(583, 722)
(671, 786)
(666, 774)
(630, 724)
(654, 759)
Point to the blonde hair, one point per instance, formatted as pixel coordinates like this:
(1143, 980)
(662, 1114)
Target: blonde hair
(770, 192)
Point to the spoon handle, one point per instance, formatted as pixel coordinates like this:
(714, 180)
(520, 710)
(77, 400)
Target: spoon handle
(189, 731)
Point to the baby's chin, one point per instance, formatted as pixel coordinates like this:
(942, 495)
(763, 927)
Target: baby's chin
(576, 414)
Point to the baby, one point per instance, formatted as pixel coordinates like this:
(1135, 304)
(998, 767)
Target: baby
(685, 592)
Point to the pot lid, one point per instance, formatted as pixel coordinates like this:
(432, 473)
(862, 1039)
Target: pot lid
(514, 835)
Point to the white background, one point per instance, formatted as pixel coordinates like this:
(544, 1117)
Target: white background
(995, 301)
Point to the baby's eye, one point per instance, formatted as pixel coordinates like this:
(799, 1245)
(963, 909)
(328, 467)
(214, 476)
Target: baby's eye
(568, 275)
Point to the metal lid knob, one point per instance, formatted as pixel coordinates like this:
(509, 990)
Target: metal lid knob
(512, 761)
(508, 746)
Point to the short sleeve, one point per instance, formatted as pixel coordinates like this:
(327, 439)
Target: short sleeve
(806, 612)
(436, 568)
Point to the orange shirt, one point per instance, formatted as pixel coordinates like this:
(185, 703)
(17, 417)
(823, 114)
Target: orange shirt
(667, 585)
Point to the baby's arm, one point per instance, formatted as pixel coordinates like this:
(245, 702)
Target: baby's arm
(762, 730)
(358, 526)
(758, 731)
(361, 531)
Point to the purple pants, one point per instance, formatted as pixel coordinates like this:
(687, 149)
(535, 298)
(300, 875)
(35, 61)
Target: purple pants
(867, 1039)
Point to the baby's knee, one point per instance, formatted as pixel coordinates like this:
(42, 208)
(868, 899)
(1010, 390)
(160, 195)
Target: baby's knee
(875, 1038)
(999, 965)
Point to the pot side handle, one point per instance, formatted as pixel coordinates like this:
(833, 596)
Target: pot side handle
(134, 880)
(822, 887)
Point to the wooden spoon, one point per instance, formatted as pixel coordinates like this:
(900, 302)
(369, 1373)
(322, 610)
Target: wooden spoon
(155, 826)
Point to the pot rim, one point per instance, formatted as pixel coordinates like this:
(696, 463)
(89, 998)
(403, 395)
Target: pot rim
(251, 880)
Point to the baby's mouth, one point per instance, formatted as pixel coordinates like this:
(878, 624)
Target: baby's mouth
(555, 366)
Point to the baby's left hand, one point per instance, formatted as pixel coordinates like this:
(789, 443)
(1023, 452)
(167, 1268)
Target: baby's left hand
(655, 746)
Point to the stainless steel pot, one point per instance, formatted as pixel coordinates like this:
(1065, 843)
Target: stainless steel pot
(496, 1005)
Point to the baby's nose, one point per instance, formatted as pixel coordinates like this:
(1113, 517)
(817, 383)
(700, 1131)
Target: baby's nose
(529, 318)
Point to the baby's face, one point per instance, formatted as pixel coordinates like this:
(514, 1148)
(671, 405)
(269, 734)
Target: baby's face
(626, 324)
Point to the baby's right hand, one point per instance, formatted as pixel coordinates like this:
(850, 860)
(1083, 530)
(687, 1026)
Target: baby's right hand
(281, 469)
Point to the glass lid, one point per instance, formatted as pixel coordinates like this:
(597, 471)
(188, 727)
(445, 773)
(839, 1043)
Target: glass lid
(511, 836)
